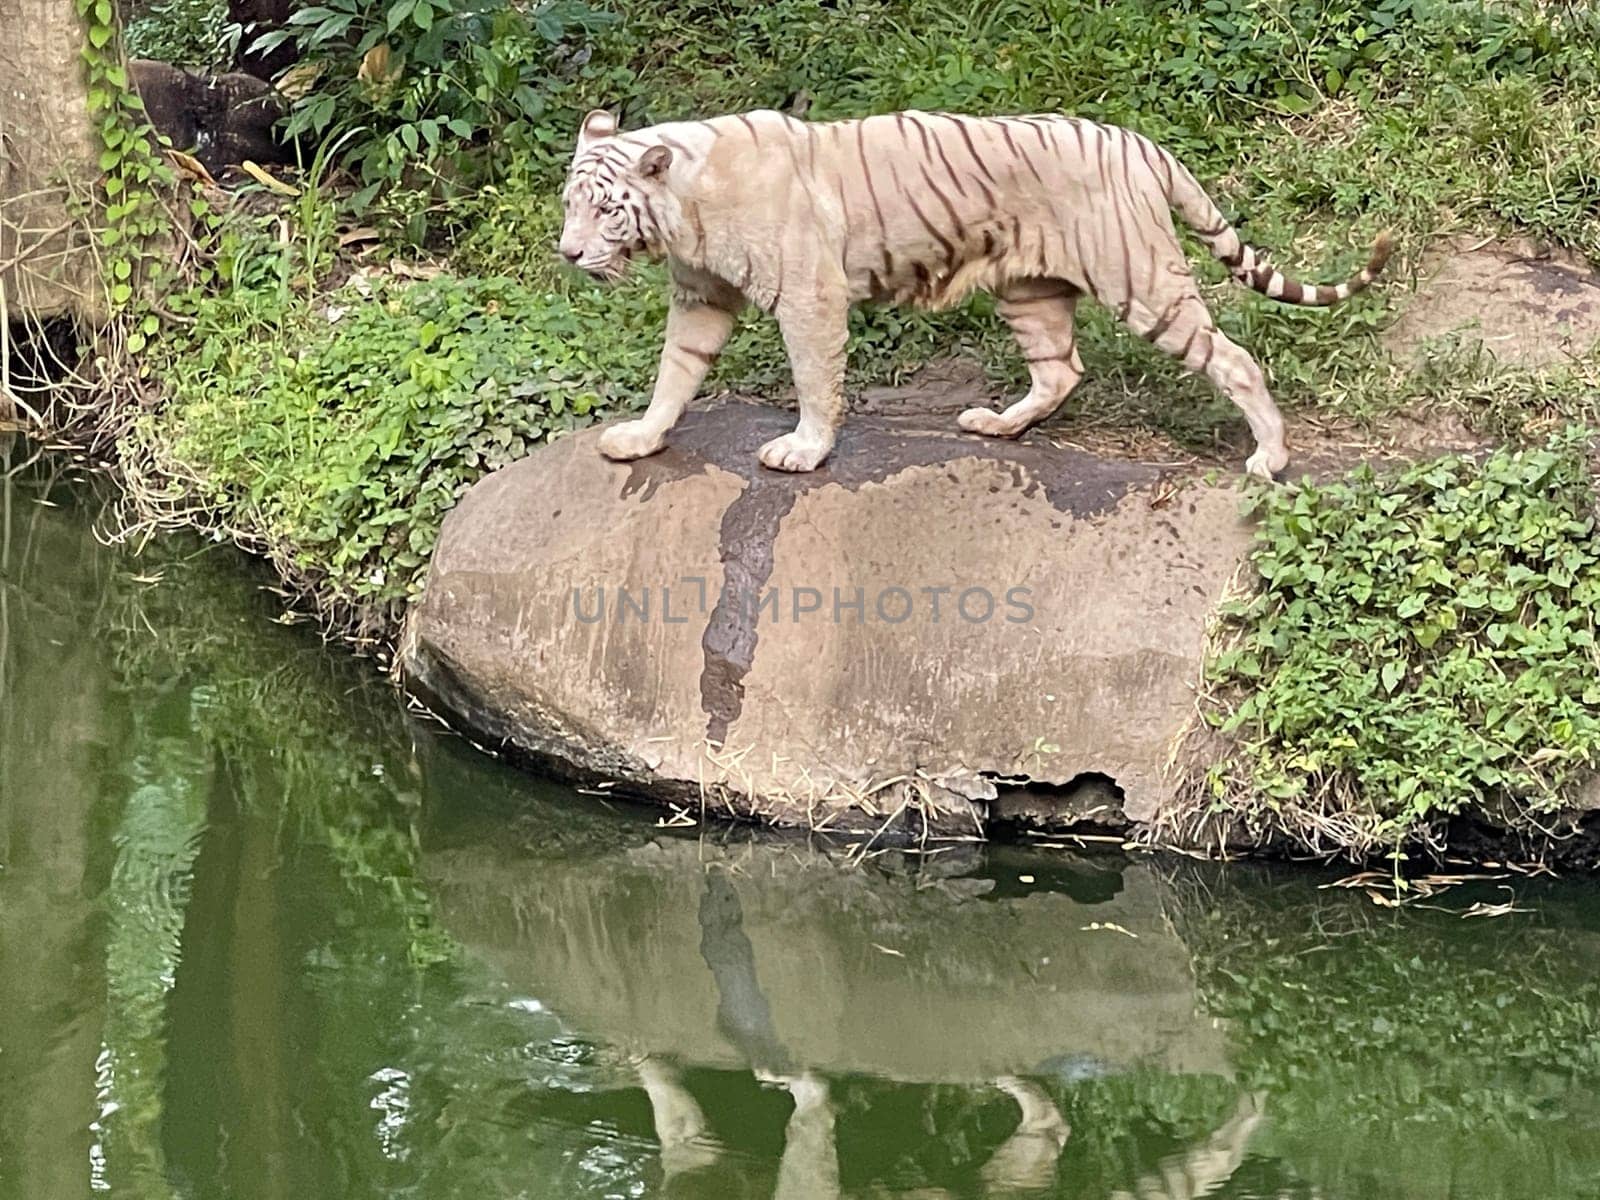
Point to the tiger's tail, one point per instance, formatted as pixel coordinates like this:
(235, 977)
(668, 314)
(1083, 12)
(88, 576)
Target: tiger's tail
(1247, 265)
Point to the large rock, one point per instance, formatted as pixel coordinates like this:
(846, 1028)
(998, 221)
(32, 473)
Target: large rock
(713, 634)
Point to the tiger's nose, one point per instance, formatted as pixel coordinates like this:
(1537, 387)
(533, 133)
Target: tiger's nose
(572, 256)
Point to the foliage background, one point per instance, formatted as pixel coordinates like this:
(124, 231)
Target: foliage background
(187, 33)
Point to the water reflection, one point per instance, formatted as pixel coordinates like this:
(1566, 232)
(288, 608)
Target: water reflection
(54, 862)
(262, 936)
(779, 957)
(793, 964)
(1026, 1162)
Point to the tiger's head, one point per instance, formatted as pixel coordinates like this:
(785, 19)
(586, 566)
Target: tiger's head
(616, 200)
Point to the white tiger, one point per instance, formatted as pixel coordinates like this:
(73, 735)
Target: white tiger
(804, 219)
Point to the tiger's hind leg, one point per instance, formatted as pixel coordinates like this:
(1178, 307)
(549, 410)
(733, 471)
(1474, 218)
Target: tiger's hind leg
(1040, 315)
(1184, 329)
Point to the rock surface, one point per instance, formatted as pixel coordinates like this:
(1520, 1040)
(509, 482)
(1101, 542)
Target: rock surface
(1520, 304)
(880, 642)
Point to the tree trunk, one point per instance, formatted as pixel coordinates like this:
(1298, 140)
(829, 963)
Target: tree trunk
(48, 164)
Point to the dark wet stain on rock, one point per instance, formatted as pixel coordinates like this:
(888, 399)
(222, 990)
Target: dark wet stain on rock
(1552, 280)
(749, 532)
(870, 450)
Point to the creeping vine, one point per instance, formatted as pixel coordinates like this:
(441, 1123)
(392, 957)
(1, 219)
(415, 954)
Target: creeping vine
(131, 169)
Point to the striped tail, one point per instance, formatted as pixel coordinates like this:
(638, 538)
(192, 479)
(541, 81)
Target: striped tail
(1249, 267)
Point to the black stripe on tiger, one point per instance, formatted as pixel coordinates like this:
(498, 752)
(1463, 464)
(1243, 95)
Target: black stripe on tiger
(1155, 331)
(1027, 160)
(866, 173)
(949, 208)
(706, 356)
(949, 169)
(966, 136)
(945, 243)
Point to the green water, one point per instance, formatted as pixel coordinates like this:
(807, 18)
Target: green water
(263, 935)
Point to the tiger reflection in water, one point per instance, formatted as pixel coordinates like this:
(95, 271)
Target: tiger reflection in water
(1024, 1163)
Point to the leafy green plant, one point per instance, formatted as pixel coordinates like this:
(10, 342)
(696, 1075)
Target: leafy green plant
(186, 33)
(1414, 646)
(346, 441)
(439, 93)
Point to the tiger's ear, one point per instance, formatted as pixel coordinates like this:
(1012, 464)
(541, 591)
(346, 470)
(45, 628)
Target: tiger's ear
(598, 124)
(653, 163)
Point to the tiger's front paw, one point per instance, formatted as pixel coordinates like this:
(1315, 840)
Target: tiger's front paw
(987, 422)
(796, 452)
(1265, 464)
(631, 440)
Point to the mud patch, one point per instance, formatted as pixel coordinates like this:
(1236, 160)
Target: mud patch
(942, 387)
(1325, 449)
(1524, 306)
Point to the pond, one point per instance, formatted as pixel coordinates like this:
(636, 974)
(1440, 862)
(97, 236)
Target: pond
(265, 934)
